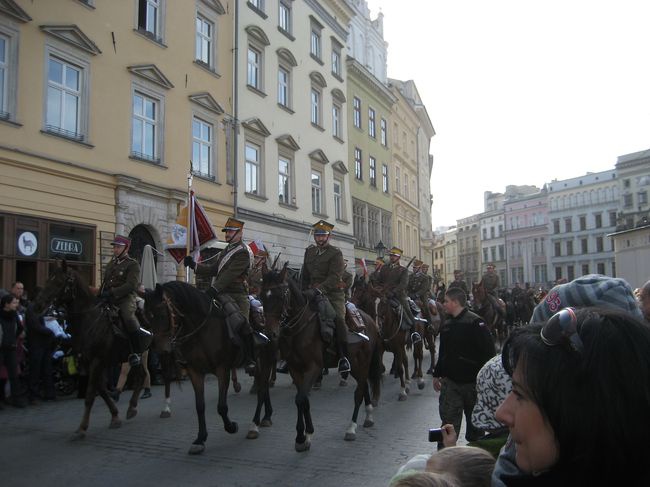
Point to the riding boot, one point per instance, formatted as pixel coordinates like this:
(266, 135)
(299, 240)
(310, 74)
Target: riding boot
(283, 367)
(249, 357)
(344, 363)
(135, 358)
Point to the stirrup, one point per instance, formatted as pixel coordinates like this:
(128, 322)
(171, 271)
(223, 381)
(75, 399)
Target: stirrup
(260, 338)
(415, 338)
(362, 335)
(344, 365)
(283, 367)
(135, 359)
(423, 320)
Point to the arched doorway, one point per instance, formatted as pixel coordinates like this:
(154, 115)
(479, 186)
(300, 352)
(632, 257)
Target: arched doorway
(140, 237)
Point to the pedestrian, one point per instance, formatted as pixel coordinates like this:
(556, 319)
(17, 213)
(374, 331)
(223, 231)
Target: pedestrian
(465, 345)
(40, 342)
(644, 301)
(11, 331)
(581, 394)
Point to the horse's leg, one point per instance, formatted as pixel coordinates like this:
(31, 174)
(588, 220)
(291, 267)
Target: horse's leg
(300, 399)
(138, 385)
(167, 363)
(418, 357)
(262, 379)
(198, 384)
(399, 357)
(268, 371)
(95, 376)
(360, 373)
(222, 407)
(316, 371)
(235, 382)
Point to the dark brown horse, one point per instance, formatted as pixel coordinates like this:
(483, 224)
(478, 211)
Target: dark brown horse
(92, 330)
(491, 310)
(302, 347)
(437, 317)
(189, 318)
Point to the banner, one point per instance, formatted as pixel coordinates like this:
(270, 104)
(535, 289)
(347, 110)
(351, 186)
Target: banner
(363, 266)
(201, 231)
(257, 246)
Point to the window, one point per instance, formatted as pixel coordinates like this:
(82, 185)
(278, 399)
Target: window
(146, 123)
(585, 269)
(283, 87)
(359, 226)
(502, 251)
(372, 129)
(485, 254)
(493, 253)
(558, 273)
(204, 41)
(338, 199)
(558, 249)
(383, 130)
(356, 116)
(491, 232)
(8, 72)
(253, 77)
(626, 183)
(316, 192)
(372, 168)
(253, 163)
(583, 222)
(384, 178)
(358, 167)
(406, 186)
(612, 218)
(584, 245)
(599, 220)
(202, 150)
(284, 17)
(64, 92)
(599, 244)
(150, 18)
(336, 120)
(284, 180)
(336, 59)
(567, 225)
(601, 268)
(570, 274)
(315, 43)
(627, 201)
(257, 4)
(315, 107)
(373, 226)
(397, 179)
(556, 226)
(643, 198)
(569, 247)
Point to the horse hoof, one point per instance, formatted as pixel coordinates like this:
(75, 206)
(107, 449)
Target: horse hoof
(374, 403)
(407, 389)
(165, 414)
(232, 428)
(350, 437)
(78, 435)
(414, 376)
(368, 423)
(266, 423)
(252, 435)
(317, 386)
(236, 386)
(402, 397)
(131, 413)
(196, 449)
(115, 423)
(302, 447)
(343, 383)
(420, 385)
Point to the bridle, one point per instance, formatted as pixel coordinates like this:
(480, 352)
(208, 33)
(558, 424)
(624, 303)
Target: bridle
(290, 326)
(175, 315)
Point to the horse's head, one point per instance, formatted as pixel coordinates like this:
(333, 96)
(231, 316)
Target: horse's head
(61, 287)
(276, 293)
(157, 313)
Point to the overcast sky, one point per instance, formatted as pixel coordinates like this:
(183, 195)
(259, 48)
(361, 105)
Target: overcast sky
(522, 92)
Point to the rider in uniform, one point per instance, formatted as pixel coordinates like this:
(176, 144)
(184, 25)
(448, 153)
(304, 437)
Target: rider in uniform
(491, 281)
(121, 280)
(229, 273)
(347, 279)
(393, 277)
(459, 282)
(419, 286)
(322, 271)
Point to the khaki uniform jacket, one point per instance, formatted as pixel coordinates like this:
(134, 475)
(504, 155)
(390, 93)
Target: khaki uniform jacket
(394, 278)
(323, 269)
(121, 278)
(490, 282)
(419, 286)
(230, 270)
(346, 282)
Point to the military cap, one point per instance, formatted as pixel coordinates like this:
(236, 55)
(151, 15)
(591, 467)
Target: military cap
(396, 251)
(321, 227)
(121, 240)
(417, 263)
(233, 224)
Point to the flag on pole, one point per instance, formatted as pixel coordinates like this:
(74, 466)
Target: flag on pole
(201, 231)
(257, 246)
(364, 267)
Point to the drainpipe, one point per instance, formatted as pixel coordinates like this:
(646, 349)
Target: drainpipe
(235, 93)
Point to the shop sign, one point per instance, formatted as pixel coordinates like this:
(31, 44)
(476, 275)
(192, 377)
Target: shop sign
(27, 243)
(66, 246)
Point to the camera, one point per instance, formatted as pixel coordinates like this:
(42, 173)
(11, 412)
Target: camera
(435, 434)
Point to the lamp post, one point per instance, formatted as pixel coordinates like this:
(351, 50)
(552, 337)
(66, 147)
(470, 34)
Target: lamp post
(380, 248)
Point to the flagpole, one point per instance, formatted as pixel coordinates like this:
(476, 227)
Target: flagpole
(189, 221)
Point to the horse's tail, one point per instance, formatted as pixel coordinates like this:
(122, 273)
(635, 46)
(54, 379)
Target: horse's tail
(375, 373)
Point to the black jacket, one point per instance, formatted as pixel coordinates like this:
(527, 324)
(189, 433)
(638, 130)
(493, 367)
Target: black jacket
(38, 335)
(11, 329)
(465, 345)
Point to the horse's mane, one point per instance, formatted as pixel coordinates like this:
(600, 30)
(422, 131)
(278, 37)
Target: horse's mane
(83, 289)
(192, 300)
(277, 277)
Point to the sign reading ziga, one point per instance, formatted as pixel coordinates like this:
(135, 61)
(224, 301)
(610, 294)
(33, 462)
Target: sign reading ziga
(66, 246)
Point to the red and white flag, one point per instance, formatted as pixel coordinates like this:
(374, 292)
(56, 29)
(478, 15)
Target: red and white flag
(257, 246)
(201, 230)
(364, 267)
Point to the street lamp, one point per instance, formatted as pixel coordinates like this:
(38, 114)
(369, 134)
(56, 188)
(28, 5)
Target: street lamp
(380, 248)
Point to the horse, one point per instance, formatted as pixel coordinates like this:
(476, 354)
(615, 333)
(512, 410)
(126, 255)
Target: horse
(302, 347)
(197, 330)
(524, 306)
(437, 317)
(93, 335)
(394, 338)
(490, 310)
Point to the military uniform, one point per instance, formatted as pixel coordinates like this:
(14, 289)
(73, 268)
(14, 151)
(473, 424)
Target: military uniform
(459, 283)
(490, 282)
(419, 286)
(347, 279)
(121, 280)
(394, 279)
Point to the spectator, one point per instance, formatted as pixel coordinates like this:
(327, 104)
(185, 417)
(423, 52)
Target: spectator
(581, 377)
(465, 345)
(644, 301)
(11, 330)
(422, 479)
(41, 341)
(469, 465)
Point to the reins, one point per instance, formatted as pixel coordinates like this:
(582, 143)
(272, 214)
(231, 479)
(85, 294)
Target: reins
(175, 313)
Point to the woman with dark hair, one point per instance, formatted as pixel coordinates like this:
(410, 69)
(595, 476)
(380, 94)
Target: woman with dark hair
(578, 410)
(11, 330)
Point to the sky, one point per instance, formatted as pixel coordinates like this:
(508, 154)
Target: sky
(521, 92)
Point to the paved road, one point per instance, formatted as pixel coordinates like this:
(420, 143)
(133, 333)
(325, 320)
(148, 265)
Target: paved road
(35, 449)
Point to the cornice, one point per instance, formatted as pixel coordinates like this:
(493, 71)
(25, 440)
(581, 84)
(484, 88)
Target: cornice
(369, 80)
(332, 22)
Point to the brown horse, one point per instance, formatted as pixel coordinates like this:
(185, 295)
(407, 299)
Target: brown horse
(490, 310)
(197, 329)
(302, 347)
(365, 296)
(437, 317)
(92, 330)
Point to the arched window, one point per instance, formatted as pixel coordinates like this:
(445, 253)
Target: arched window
(140, 237)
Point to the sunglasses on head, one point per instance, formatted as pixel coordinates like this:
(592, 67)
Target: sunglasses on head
(562, 327)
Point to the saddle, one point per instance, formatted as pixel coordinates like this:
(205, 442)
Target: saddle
(145, 337)
(353, 319)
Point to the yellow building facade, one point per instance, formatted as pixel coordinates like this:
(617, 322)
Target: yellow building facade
(106, 108)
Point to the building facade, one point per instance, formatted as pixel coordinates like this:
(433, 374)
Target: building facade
(633, 172)
(492, 228)
(107, 108)
(450, 254)
(469, 253)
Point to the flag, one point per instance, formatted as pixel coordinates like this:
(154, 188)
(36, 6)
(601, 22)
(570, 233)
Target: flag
(257, 246)
(201, 231)
(363, 266)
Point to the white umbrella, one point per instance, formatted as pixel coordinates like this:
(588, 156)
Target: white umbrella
(148, 268)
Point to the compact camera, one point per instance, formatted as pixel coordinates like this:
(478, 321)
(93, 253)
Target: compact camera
(435, 434)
